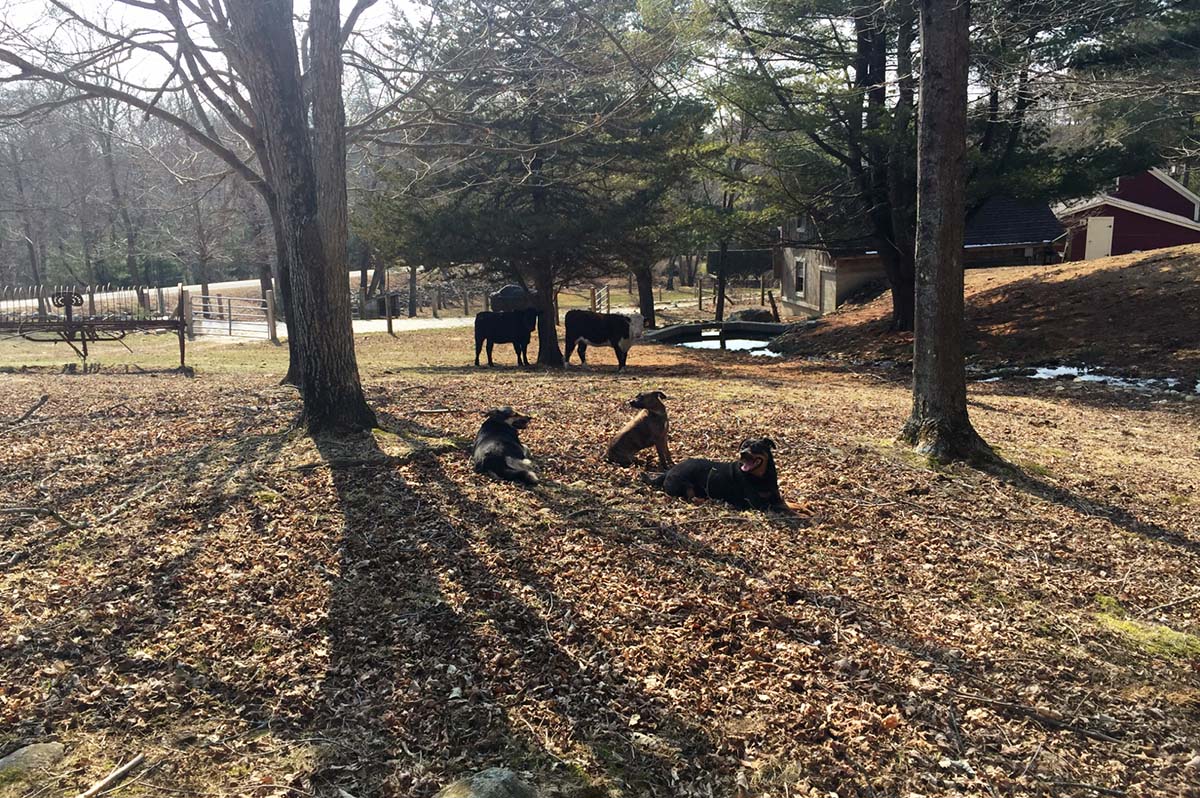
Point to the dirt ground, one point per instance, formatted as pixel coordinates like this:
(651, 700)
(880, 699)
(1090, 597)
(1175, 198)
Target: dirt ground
(263, 614)
(1133, 314)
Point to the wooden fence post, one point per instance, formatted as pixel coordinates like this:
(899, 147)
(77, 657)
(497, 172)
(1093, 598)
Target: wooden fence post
(229, 314)
(466, 300)
(387, 299)
(593, 299)
(762, 289)
(162, 302)
(774, 307)
(181, 327)
(272, 329)
(437, 300)
(700, 292)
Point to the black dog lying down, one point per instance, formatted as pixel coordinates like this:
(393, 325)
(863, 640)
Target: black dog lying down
(498, 449)
(750, 482)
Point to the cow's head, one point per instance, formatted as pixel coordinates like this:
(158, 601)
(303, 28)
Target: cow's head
(637, 325)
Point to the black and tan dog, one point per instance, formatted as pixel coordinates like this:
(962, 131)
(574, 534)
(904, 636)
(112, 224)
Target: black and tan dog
(648, 428)
(750, 482)
(498, 449)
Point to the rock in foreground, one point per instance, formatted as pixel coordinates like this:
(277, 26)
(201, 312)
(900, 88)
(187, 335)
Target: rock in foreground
(490, 783)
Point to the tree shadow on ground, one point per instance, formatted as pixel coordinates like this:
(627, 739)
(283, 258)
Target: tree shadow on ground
(1122, 517)
(106, 635)
(450, 652)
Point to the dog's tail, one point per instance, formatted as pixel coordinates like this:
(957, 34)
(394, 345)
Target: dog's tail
(654, 479)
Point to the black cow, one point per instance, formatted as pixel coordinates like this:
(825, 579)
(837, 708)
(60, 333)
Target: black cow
(585, 328)
(505, 327)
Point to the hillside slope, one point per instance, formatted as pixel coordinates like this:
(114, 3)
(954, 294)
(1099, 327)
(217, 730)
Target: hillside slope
(1132, 313)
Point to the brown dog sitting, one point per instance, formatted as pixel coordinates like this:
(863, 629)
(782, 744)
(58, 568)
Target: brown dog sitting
(648, 428)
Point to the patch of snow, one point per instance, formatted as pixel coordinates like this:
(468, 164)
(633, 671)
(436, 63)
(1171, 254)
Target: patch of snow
(758, 348)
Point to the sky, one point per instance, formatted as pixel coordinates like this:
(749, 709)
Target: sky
(37, 19)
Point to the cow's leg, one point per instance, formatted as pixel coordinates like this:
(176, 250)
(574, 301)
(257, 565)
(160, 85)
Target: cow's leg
(571, 348)
(490, 344)
(478, 348)
(582, 353)
(517, 352)
(622, 352)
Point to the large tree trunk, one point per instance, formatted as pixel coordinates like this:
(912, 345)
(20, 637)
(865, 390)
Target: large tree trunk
(313, 233)
(939, 425)
(549, 352)
(644, 273)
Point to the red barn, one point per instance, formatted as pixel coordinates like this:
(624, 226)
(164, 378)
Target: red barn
(1145, 211)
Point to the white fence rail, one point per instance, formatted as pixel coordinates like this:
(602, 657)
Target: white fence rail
(239, 317)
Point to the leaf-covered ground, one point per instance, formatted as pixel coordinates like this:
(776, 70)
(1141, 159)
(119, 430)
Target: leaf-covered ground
(262, 614)
(1133, 314)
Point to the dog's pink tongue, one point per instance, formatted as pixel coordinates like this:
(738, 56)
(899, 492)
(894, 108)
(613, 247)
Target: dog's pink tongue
(744, 465)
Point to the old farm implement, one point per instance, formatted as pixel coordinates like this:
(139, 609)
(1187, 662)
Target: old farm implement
(62, 317)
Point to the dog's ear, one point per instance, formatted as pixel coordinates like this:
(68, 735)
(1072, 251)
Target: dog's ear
(770, 443)
(661, 395)
(743, 444)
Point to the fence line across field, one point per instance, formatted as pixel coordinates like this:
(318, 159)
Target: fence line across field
(30, 302)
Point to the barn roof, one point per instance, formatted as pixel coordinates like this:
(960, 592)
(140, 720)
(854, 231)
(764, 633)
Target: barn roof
(1003, 221)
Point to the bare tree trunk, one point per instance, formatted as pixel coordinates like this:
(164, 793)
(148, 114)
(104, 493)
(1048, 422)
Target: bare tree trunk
(104, 136)
(939, 425)
(313, 231)
(899, 266)
(283, 278)
(644, 273)
(549, 352)
(257, 225)
(377, 274)
(672, 265)
(721, 281)
(27, 226)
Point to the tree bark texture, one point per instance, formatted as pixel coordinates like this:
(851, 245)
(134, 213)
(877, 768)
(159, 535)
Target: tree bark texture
(549, 352)
(644, 274)
(319, 305)
(283, 277)
(939, 425)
